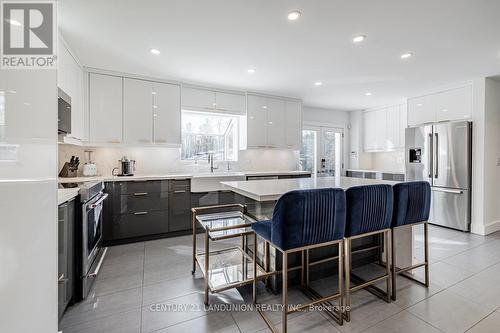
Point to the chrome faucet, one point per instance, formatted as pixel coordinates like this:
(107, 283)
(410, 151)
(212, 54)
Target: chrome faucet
(211, 162)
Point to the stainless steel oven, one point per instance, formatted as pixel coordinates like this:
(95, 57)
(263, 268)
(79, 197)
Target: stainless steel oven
(92, 251)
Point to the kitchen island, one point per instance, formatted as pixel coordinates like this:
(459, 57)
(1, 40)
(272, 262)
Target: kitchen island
(272, 190)
(263, 194)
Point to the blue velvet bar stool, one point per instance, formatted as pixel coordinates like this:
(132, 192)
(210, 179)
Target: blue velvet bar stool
(368, 213)
(303, 220)
(412, 202)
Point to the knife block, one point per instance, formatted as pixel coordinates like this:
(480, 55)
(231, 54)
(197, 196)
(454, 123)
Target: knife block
(66, 172)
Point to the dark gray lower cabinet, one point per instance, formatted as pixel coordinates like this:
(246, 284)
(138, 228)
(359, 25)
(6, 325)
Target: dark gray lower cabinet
(146, 208)
(141, 223)
(66, 229)
(179, 200)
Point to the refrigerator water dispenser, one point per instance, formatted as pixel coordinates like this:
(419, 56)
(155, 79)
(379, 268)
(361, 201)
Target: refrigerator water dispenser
(415, 155)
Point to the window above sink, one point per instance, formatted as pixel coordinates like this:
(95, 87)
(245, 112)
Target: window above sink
(204, 133)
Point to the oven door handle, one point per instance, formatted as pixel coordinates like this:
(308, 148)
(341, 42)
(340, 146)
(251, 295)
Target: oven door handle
(98, 268)
(98, 202)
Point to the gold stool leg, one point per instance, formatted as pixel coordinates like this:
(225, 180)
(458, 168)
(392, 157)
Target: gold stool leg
(341, 286)
(393, 264)
(254, 293)
(285, 293)
(207, 256)
(426, 253)
(194, 242)
(387, 250)
(303, 270)
(347, 262)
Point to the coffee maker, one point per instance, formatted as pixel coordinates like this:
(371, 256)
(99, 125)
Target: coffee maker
(127, 167)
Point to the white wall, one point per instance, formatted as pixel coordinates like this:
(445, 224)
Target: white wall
(486, 152)
(336, 117)
(158, 160)
(492, 155)
(393, 161)
(28, 202)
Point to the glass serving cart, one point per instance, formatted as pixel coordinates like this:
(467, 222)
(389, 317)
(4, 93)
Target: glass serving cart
(229, 267)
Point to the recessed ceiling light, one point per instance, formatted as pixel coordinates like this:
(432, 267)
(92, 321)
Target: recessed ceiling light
(318, 83)
(294, 15)
(368, 93)
(14, 22)
(359, 38)
(251, 71)
(155, 51)
(406, 55)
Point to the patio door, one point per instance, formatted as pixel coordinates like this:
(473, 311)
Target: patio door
(321, 151)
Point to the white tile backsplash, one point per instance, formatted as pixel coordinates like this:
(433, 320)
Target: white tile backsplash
(160, 160)
(390, 161)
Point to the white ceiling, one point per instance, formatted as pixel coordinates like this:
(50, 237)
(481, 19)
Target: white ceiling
(216, 41)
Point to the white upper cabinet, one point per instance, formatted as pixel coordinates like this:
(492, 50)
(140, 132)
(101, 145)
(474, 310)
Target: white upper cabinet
(198, 99)
(369, 130)
(454, 104)
(381, 129)
(273, 122)
(106, 108)
(137, 111)
(70, 80)
(392, 138)
(293, 127)
(167, 114)
(150, 114)
(384, 129)
(256, 121)
(403, 123)
(276, 123)
(231, 103)
(422, 110)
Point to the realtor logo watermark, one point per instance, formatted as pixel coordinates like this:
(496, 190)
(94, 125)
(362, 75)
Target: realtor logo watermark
(28, 35)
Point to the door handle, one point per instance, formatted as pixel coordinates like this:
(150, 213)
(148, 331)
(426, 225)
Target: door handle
(436, 153)
(140, 213)
(98, 268)
(431, 153)
(180, 191)
(446, 190)
(140, 194)
(98, 202)
(62, 279)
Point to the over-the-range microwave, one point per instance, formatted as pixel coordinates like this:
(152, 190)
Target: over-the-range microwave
(63, 112)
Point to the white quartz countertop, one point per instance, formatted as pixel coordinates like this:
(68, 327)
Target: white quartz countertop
(271, 190)
(66, 194)
(219, 174)
(378, 171)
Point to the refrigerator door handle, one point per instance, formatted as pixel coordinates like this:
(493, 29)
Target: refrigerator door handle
(447, 190)
(430, 155)
(436, 160)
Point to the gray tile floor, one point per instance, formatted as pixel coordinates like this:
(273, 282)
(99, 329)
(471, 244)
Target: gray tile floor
(464, 294)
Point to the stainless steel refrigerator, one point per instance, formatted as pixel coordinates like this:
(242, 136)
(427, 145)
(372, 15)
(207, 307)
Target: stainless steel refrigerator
(441, 154)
